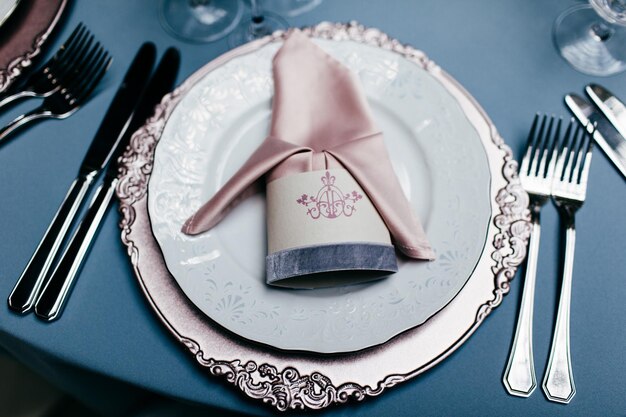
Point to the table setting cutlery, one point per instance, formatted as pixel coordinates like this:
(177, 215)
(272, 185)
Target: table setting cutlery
(555, 167)
(605, 112)
(536, 175)
(52, 299)
(111, 130)
(69, 97)
(563, 173)
(58, 70)
(569, 188)
(310, 203)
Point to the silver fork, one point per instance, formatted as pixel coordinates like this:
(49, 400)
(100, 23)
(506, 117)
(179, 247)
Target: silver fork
(77, 87)
(536, 173)
(48, 79)
(568, 193)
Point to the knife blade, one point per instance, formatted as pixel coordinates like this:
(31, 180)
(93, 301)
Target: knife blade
(612, 143)
(51, 302)
(111, 130)
(612, 107)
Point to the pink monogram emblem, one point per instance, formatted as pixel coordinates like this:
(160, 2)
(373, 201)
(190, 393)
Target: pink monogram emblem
(330, 201)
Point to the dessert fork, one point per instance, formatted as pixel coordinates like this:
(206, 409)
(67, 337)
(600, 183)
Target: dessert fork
(71, 94)
(536, 173)
(48, 79)
(569, 188)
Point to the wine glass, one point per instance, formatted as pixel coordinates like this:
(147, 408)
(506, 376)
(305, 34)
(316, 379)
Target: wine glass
(291, 8)
(255, 25)
(200, 20)
(592, 37)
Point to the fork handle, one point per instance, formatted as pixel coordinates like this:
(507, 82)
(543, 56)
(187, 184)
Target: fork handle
(29, 285)
(38, 113)
(519, 376)
(558, 382)
(17, 96)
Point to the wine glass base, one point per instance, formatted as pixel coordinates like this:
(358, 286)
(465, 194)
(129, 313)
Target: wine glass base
(588, 43)
(291, 8)
(200, 21)
(255, 29)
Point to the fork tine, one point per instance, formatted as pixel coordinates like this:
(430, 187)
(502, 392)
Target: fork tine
(82, 36)
(58, 57)
(553, 151)
(537, 143)
(571, 149)
(531, 137)
(584, 175)
(72, 41)
(86, 70)
(548, 145)
(92, 76)
(94, 80)
(80, 69)
(75, 55)
(580, 151)
(91, 63)
(560, 164)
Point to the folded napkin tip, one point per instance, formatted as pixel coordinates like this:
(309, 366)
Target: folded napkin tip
(188, 228)
(421, 252)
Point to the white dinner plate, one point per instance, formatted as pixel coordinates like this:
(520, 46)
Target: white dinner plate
(438, 157)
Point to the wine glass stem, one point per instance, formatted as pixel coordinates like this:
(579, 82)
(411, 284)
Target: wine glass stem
(601, 32)
(256, 9)
(257, 24)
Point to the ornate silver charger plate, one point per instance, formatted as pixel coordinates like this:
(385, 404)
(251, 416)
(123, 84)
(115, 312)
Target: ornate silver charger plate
(468, 285)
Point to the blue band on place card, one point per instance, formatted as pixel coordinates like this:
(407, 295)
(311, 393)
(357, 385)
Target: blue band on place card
(346, 263)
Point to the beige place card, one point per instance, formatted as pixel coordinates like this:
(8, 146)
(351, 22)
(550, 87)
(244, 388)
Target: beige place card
(320, 207)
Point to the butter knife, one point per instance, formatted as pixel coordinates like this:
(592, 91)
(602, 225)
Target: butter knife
(606, 135)
(115, 122)
(50, 304)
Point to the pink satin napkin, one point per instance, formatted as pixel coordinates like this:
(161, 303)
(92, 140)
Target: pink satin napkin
(321, 121)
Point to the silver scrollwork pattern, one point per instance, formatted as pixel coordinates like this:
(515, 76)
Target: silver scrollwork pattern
(15, 67)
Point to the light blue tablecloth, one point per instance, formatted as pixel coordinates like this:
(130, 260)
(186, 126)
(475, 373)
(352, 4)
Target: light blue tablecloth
(502, 52)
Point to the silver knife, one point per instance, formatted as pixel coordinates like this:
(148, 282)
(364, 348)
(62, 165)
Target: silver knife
(609, 105)
(50, 304)
(111, 130)
(610, 140)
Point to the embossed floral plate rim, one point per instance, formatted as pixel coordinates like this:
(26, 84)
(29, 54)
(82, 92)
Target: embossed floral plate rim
(297, 380)
(24, 34)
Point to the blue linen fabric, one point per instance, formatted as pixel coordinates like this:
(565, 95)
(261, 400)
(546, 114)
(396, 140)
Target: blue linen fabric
(501, 51)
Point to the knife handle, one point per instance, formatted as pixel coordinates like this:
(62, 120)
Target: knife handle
(28, 286)
(52, 299)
